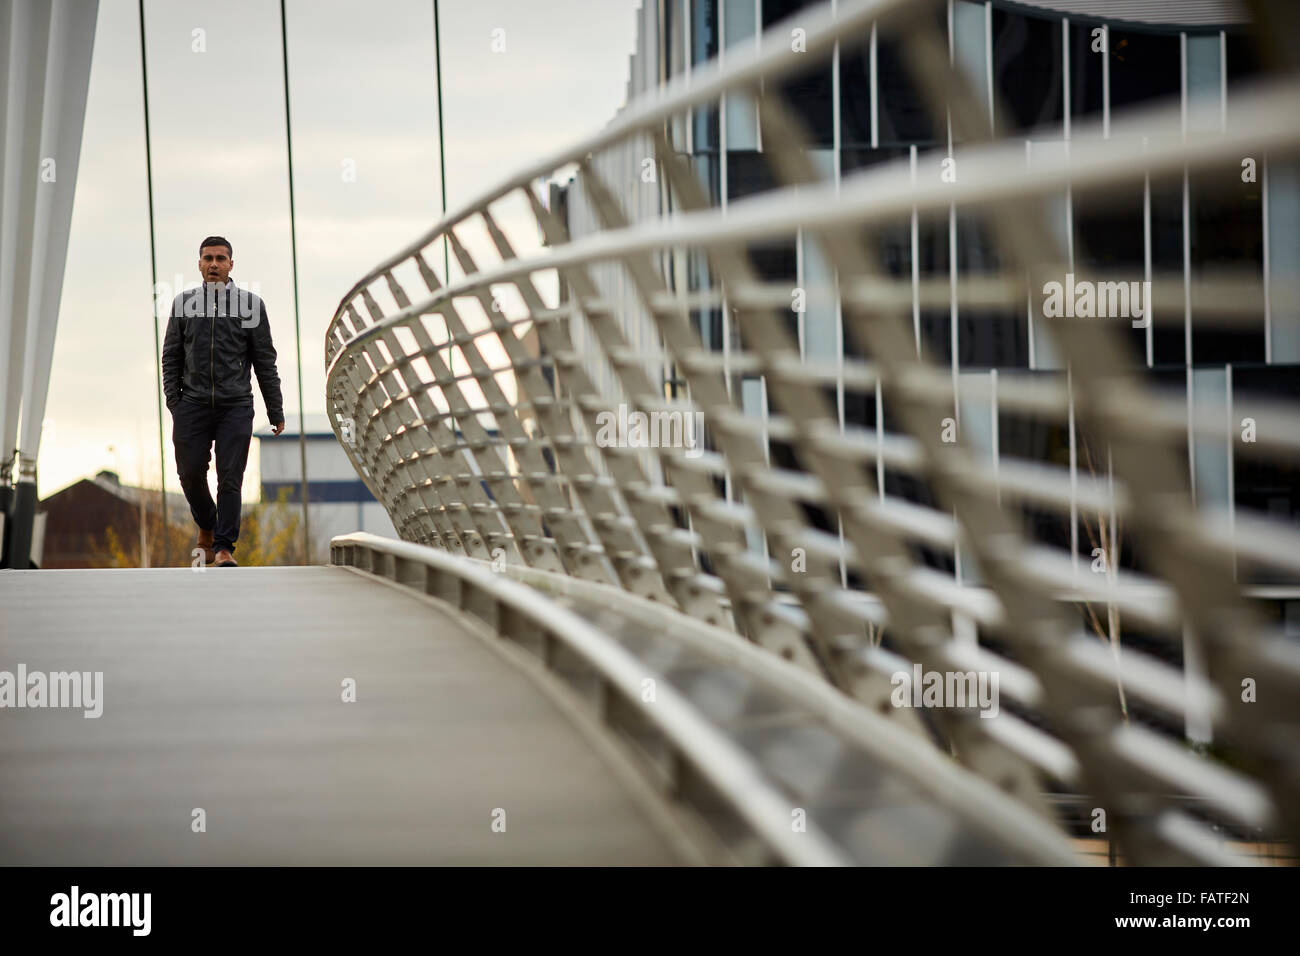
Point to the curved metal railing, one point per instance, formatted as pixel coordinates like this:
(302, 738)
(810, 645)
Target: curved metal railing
(494, 416)
(777, 770)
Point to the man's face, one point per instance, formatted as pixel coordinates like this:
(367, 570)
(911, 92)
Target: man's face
(215, 264)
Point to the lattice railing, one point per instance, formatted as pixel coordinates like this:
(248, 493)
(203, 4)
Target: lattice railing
(473, 418)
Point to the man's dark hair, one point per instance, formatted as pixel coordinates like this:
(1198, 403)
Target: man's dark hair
(217, 241)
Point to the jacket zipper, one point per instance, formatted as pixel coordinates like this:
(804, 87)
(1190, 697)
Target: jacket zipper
(212, 370)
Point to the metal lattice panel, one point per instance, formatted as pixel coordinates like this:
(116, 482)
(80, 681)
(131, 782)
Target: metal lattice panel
(475, 417)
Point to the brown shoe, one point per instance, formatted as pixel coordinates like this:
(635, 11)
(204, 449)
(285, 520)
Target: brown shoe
(205, 543)
(225, 559)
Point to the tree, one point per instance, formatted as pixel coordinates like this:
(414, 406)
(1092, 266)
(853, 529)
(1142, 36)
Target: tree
(120, 547)
(270, 534)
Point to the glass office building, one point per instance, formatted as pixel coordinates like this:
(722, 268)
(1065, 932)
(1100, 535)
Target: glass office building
(1045, 70)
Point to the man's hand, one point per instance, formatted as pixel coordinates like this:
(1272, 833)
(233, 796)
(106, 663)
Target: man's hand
(277, 428)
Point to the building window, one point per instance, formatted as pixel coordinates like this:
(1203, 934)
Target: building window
(1167, 337)
(748, 173)
(707, 321)
(1143, 66)
(904, 118)
(932, 259)
(887, 244)
(986, 337)
(1284, 259)
(704, 47)
(970, 50)
(808, 93)
(855, 92)
(1267, 484)
(1085, 71)
(816, 278)
(1205, 77)
(1242, 59)
(1226, 236)
(775, 259)
(708, 170)
(738, 25)
(1028, 76)
(1109, 242)
(675, 61)
(1038, 440)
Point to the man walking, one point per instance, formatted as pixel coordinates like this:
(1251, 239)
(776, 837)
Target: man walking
(215, 334)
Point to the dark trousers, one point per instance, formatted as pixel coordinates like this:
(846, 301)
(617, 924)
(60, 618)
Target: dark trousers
(194, 429)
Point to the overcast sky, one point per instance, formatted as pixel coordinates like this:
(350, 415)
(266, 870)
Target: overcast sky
(363, 92)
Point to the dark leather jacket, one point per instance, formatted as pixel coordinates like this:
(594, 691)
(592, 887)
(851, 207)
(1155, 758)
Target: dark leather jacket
(214, 336)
